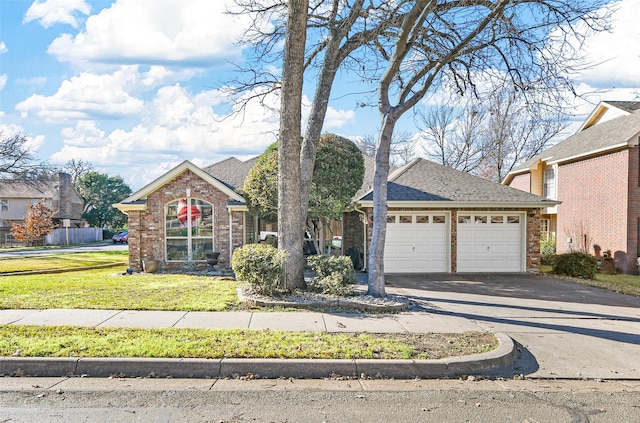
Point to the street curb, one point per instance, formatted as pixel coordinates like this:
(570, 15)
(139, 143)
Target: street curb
(491, 363)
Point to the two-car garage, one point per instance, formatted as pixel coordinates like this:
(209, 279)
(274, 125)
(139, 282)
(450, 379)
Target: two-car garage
(480, 242)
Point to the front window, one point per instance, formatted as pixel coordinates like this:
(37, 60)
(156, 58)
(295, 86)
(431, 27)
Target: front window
(4, 205)
(188, 229)
(549, 187)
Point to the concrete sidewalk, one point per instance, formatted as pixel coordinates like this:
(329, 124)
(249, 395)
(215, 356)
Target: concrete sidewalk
(289, 321)
(496, 362)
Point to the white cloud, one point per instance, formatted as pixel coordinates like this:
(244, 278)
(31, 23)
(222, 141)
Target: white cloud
(88, 95)
(189, 32)
(3, 80)
(33, 142)
(614, 55)
(176, 126)
(50, 12)
(3, 47)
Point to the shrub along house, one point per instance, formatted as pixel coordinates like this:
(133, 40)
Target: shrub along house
(439, 220)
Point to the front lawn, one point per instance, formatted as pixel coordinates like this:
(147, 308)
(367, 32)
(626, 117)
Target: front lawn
(68, 341)
(109, 289)
(45, 261)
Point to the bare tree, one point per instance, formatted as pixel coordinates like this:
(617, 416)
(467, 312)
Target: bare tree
(290, 219)
(76, 168)
(339, 29)
(460, 40)
(489, 134)
(17, 160)
(403, 147)
(451, 137)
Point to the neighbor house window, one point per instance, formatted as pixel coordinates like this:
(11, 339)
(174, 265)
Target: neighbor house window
(549, 186)
(4, 205)
(188, 229)
(544, 228)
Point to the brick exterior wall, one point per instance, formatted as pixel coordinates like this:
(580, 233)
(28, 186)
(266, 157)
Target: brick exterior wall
(532, 231)
(146, 229)
(594, 194)
(521, 182)
(633, 212)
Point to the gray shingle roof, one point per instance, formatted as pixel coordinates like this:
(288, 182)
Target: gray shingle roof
(231, 171)
(33, 189)
(627, 106)
(423, 180)
(596, 138)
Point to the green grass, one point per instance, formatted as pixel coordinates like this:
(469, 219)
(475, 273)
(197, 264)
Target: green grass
(624, 284)
(621, 283)
(108, 289)
(45, 261)
(66, 341)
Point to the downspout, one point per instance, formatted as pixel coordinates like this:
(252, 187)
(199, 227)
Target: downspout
(230, 236)
(364, 229)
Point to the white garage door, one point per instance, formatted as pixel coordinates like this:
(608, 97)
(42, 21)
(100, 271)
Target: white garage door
(417, 243)
(490, 242)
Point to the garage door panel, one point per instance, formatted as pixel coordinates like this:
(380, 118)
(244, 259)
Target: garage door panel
(417, 247)
(490, 243)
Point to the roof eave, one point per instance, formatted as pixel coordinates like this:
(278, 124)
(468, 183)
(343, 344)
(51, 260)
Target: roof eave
(126, 208)
(591, 153)
(173, 173)
(467, 204)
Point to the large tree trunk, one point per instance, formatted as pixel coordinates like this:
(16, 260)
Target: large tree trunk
(290, 217)
(378, 236)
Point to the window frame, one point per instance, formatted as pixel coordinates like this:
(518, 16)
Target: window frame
(550, 183)
(192, 237)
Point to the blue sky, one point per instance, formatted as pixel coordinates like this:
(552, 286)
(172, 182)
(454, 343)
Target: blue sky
(133, 86)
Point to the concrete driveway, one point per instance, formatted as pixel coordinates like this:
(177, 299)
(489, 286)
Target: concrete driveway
(566, 330)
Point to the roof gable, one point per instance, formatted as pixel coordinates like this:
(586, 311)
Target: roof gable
(423, 180)
(144, 192)
(611, 135)
(608, 110)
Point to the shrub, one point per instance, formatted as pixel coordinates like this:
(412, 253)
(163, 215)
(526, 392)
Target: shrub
(547, 250)
(333, 275)
(259, 265)
(576, 264)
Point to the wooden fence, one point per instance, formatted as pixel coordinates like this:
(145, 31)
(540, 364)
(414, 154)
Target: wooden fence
(64, 236)
(56, 237)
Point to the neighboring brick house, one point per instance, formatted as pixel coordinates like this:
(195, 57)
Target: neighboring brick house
(57, 192)
(594, 174)
(440, 220)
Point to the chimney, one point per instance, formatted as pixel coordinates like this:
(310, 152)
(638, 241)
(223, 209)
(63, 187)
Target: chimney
(65, 196)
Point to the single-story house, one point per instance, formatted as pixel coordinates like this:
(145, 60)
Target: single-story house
(595, 175)
(439, 220)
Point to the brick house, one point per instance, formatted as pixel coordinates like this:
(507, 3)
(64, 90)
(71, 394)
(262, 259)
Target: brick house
(440, 220)
(594, 174)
